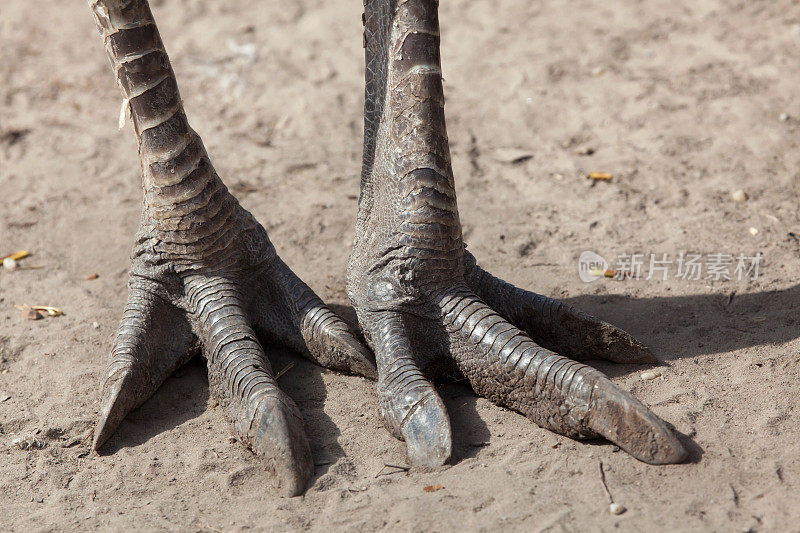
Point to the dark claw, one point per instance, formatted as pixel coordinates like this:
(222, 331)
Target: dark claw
(271, 426)
(117, 403)
(408, 402)
(622, 419)
(426, 431)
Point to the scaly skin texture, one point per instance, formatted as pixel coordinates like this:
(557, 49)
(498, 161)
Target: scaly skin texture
(429, 311)
(205, 275)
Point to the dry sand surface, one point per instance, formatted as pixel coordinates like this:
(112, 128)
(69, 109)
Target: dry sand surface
(681, 100)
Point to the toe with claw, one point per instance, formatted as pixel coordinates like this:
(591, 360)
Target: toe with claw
(428, 310)
(205, 275)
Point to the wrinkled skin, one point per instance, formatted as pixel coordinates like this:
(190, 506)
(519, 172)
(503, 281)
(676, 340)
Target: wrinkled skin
(205, 277)
(425, 307)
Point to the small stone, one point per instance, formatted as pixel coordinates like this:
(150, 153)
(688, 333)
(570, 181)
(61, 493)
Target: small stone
(784, 117)
(28, 443)
(598, 71)
(739, 196)
(95, 325)
(4, 397)
(9, 263)
(616, 509)
(650, 375)
(753, 231)
(584, 150)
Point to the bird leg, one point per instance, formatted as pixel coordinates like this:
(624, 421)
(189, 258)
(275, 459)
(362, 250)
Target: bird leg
(204, 273)
(429, 311)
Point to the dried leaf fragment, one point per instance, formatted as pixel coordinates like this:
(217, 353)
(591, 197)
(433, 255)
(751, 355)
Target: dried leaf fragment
(16, 255)
(35, 312)
(602, 176)
(283, 371)
(124, 113)
(433, 488)
(610, 273)
(51, 311)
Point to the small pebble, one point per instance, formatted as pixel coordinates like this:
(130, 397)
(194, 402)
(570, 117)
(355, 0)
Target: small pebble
(739, 196)
(753, 231)
(95, 325)
(28, 443)
(10, 263)
(650, 375)
(4, 397)
(616, 508)
(784, 117)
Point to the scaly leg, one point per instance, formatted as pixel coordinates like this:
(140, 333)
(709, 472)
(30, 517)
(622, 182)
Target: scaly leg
(205, 273)
(424, 305)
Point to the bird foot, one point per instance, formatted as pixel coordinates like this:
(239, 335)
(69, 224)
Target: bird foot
(429, 311)
(230, 308)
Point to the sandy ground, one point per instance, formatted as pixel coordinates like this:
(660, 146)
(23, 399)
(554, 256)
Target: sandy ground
(680, 100)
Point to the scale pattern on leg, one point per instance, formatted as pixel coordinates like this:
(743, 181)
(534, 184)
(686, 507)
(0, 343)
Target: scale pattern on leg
(430, 231)
(265, 418)
(557, 393)
(407, 401)
(188, 210)
(408, 235)
(553, 324)
(290, 313)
